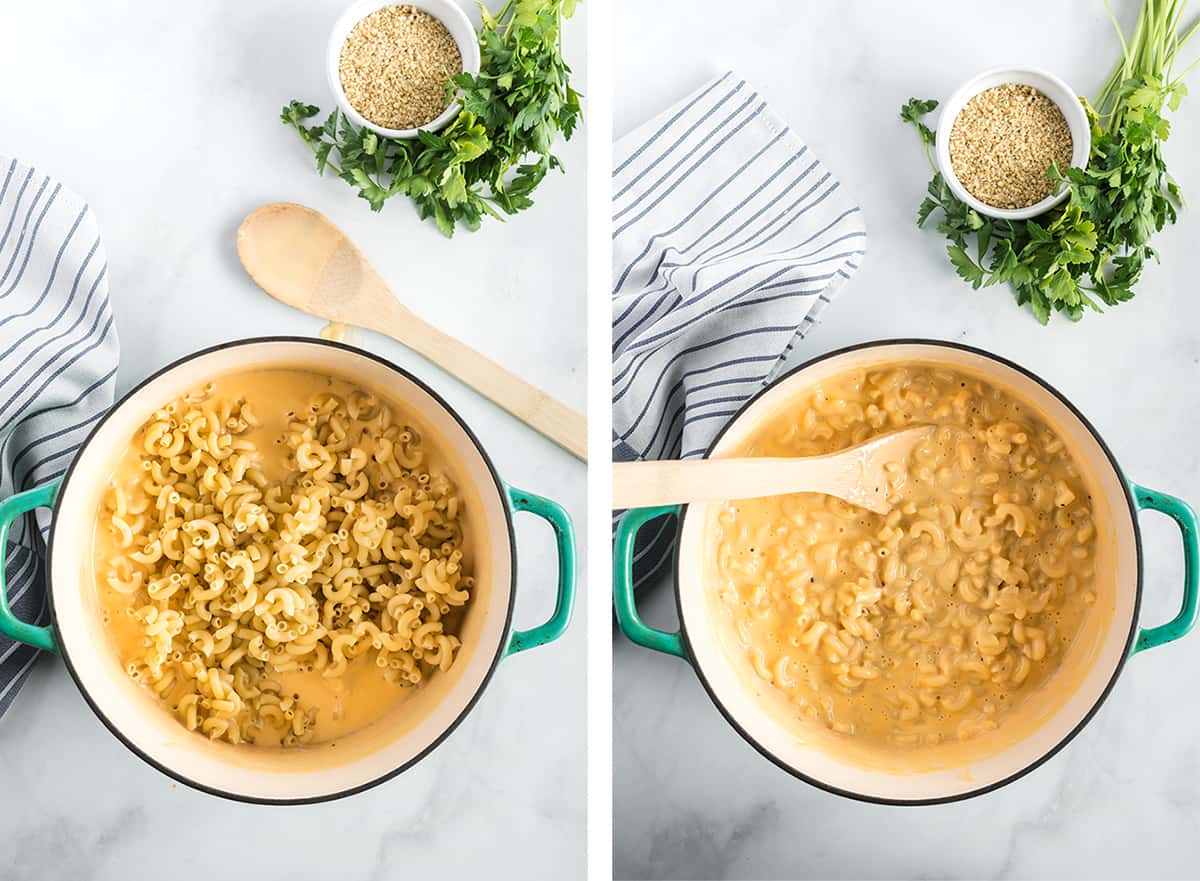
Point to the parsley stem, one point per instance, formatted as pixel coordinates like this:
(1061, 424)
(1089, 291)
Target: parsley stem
(929, 156)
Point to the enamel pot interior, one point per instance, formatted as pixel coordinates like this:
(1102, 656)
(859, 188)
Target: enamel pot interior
(1047, 719)
(318, 771)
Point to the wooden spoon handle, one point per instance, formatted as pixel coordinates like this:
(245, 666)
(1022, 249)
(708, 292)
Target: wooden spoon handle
(531, 405)
(673, 482)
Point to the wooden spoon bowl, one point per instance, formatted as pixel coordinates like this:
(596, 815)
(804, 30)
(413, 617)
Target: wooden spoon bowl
(297, 256)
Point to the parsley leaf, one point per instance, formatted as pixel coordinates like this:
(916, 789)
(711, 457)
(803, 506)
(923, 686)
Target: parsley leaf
(488, 161)
(912, 112)
(967, 268)
(1093, 246)
(1091, 249)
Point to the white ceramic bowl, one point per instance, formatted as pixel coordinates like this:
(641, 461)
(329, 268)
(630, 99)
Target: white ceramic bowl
(320, 771)
(1049, 85)
(1089, 669)
(447, 11)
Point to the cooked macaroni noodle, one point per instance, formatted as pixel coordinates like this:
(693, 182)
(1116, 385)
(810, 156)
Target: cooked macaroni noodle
(250, 559)
(931, 623)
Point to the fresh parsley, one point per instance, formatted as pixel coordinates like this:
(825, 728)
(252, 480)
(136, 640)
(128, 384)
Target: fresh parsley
(495, 152)
(1089, 251)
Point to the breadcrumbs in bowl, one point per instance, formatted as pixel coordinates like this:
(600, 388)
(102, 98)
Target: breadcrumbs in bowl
(396, 67)
(998, 135)
(1005, 140)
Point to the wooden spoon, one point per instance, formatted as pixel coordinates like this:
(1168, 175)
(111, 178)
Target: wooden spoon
(855, 474)
(298, 257)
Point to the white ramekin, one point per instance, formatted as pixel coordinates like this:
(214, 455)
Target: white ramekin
(1049, 85)
(448, 12)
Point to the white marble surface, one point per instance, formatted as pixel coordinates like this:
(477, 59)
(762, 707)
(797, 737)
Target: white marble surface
(165, 116)
(691, 799)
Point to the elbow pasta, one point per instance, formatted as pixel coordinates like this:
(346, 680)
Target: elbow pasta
(253, 559)
(931, 623)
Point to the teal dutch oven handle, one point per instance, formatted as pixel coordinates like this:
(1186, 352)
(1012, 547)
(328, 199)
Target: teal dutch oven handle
(43, 638)
(671, 643)
(10, 509)
(628, 619)
(564, 540)
(1183, 515)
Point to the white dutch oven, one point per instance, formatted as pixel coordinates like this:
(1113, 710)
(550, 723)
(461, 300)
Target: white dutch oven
(1089, 668)
(321, 771)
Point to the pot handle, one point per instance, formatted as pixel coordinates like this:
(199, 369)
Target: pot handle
(564, 540)
(1183, 515)
(10, 509)
(624, 600)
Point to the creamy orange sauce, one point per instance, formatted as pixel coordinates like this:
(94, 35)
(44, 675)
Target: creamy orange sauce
(337, 705)
(344, 705)
(933, 624)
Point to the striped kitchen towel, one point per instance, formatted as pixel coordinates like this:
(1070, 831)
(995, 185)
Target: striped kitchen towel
(58, 363)
(729, 238)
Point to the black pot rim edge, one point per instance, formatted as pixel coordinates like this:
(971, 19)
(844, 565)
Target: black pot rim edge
(1087, 717)
(362, 787)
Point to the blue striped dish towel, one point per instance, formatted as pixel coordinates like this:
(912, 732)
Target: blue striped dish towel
(58, 365)
(729, 239)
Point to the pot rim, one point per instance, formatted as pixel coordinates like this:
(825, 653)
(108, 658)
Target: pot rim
(1087, 717)
(470, 705)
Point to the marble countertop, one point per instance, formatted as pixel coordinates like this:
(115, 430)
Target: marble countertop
(166, 118)
(691, 798)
